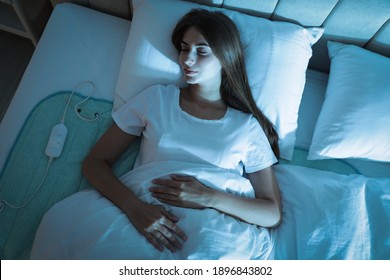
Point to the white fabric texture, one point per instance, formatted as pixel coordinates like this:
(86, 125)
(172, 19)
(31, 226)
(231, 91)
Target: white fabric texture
(86, 225)
(276, 56)
(169, 133)
(332, 216)
(355, 117)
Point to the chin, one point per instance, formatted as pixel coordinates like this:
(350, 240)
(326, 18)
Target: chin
(190, 81)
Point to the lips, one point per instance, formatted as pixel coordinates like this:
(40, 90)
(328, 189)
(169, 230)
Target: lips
(189, 72)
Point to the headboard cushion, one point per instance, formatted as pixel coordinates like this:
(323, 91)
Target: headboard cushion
(119, 8)
(365, 23)
(356, 22)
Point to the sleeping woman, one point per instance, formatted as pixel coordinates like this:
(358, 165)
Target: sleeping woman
(202, 186)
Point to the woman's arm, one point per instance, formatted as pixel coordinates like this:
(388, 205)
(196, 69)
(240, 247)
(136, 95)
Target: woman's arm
(97, 169)
(264, 210)
(267, 189)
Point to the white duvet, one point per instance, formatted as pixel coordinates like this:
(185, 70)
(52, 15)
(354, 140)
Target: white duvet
(332, 216)
(88, 226)
(325, 216)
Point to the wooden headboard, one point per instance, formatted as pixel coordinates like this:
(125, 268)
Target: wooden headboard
(365, 23)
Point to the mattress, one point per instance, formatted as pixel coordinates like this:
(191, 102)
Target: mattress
(78, 44)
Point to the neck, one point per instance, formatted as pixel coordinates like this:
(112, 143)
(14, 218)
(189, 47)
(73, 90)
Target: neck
(205, 97)
(206, 93)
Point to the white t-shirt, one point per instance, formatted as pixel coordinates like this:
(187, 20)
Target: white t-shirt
(234, 142)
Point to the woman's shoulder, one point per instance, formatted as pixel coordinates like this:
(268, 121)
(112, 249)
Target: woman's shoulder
(160, 92)
(152, 93)
(161, 88)
(245, 121)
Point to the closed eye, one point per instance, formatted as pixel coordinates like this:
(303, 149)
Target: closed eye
(203, 50)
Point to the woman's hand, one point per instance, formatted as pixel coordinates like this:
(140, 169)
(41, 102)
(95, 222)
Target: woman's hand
(263, 210)
(158, 226)
(182, 191)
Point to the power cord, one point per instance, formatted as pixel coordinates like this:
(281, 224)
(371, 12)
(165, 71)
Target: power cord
(77, 109)
(4, 202)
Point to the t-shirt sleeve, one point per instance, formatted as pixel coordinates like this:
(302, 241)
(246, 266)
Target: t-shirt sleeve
(130, 117)
(259, 154)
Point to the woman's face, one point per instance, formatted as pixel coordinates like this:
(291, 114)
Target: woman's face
(197, 60)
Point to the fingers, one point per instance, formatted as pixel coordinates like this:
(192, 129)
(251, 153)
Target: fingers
(159, 238)
(166, 189)
(153, 241)
(165, 183)
(175, 180)
(182, 178)
(164, 232)
(173, 226)
(166, 196)
(169, 215)
(170, 188)
(178, 231)
(168, 239)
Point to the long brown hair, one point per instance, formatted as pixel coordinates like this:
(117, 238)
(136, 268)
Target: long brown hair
(223, 38)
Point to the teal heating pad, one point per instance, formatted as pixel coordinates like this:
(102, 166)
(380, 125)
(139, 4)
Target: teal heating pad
(27, 162)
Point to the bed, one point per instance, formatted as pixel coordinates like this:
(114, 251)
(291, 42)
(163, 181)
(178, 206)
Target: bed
(327, 67)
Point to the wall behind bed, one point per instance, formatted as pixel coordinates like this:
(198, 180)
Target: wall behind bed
(365, 23)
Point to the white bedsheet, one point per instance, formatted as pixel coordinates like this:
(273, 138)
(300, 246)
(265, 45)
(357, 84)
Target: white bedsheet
(332, 216)
(78, 44)
(88, 226)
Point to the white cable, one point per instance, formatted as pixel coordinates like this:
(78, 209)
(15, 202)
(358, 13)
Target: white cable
(78, 104)
(4, 202)
(76, 110)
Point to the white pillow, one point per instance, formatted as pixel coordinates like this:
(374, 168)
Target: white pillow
(276, 56)
(354, 121)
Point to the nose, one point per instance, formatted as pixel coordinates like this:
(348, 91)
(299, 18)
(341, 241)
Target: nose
(190, 58)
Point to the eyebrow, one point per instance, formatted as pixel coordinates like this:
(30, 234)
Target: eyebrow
(198, 44)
